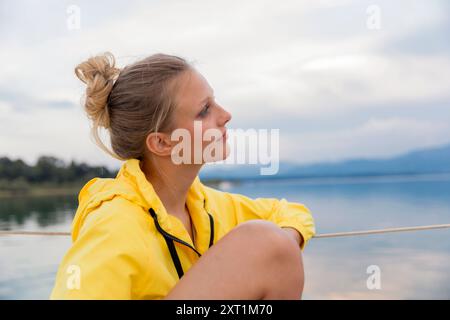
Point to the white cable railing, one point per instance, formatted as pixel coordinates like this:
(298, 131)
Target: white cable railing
(317, 236)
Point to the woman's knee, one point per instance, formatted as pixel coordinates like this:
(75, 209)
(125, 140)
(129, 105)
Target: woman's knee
(277, 252)
(265, 236)
(258, 258)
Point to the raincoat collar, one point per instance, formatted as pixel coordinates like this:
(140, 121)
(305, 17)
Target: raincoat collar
(132, 173)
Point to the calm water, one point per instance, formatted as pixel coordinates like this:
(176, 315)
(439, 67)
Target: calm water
(413, 265)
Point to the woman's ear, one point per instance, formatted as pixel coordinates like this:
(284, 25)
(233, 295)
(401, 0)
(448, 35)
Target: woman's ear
(159, 143)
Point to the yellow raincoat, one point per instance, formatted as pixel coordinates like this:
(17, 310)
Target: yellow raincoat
(122, 235)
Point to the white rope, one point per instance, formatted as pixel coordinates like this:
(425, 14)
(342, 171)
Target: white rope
(33, 233)
(388, 230)
(324, 235)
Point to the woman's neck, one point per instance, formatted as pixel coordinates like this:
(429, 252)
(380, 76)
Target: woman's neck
(171, 182)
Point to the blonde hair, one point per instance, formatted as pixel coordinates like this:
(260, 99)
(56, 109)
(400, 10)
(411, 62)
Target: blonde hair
(132, 102)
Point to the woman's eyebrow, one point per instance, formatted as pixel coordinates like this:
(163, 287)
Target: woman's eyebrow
(206, 99)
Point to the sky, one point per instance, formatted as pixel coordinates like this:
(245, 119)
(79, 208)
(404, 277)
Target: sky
(340, 79)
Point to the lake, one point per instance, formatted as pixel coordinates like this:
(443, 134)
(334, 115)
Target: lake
(410, 265)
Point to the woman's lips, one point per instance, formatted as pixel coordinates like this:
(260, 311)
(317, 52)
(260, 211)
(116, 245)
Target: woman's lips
(224, 136)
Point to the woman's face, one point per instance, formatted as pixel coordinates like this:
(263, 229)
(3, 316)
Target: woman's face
(202, 117)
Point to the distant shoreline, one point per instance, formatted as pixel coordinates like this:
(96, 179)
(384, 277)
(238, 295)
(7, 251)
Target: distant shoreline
(41, 191)
(66, 190)
(399, 176)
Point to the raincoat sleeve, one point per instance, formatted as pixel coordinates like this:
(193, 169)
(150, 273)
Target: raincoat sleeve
(279, 211)
(106, 260)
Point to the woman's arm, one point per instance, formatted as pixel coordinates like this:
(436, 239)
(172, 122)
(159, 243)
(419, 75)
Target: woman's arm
(292, 215)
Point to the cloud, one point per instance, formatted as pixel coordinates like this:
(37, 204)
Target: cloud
(301, 63)
(375, 138)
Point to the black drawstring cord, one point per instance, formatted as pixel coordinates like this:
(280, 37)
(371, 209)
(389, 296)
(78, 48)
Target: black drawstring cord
(170, 239)
(211, 225)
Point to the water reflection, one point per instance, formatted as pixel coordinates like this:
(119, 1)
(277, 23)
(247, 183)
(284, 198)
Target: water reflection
(28, 264)
(45, 211)
(411, 267)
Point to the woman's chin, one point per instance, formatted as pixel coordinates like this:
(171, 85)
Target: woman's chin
(220, 156)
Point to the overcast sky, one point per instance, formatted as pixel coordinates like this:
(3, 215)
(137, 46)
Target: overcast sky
(337, 81)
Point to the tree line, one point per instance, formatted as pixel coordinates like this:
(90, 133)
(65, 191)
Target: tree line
(47, 170)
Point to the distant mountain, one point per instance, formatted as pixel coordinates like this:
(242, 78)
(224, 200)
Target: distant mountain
(436, 160)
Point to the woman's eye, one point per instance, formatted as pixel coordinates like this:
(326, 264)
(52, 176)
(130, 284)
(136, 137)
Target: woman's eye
(204, 111)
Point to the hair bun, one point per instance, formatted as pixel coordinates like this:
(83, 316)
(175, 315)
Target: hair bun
(99, 74)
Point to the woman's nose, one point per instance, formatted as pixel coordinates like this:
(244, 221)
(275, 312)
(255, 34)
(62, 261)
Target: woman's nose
(226, 116)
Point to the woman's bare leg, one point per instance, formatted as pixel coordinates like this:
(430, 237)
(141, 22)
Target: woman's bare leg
(255, 260)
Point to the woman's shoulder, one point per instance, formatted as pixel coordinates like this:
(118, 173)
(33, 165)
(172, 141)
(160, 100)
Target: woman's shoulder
(111, 201)
(117, 217)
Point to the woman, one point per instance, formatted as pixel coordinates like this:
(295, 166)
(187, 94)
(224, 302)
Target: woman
(155, 231)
